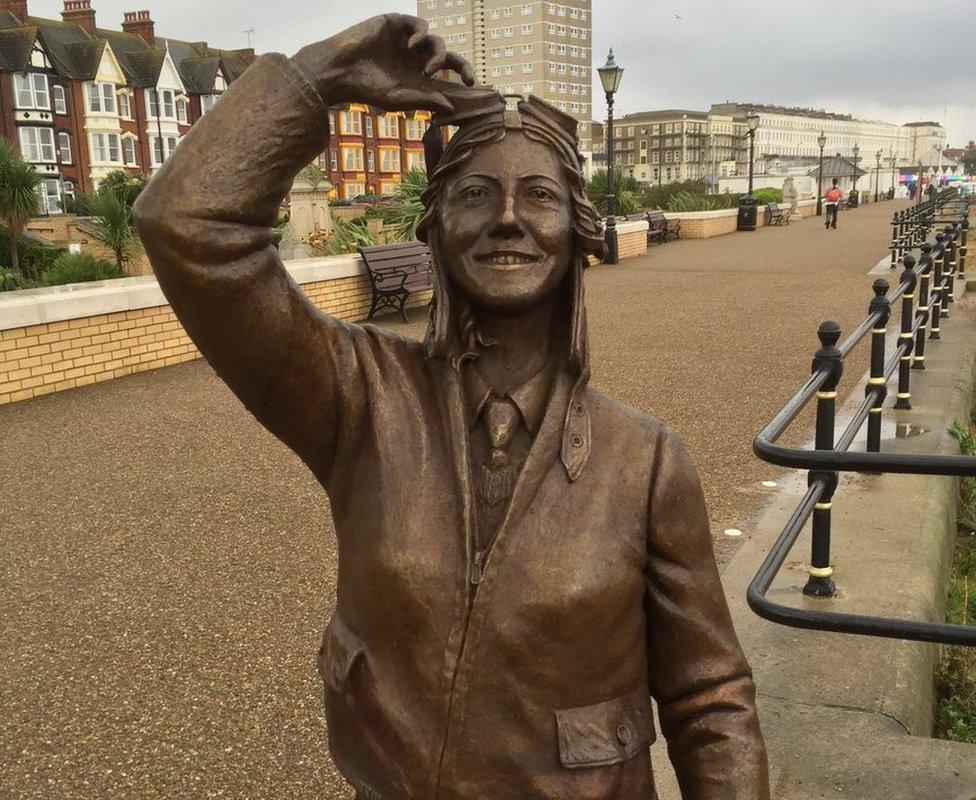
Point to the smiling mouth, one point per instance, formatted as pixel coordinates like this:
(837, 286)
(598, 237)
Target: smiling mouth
(507, 258)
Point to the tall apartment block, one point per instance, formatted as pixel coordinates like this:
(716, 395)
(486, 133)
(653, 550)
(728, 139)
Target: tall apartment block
(536, 48)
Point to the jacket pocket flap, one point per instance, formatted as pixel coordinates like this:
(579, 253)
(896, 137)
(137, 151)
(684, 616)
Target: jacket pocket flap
(339, 652)
(605, 733)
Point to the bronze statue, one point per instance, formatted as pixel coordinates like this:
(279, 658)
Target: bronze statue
(523, 562)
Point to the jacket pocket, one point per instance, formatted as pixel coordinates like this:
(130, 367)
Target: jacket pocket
(340, 651)
(605, 733)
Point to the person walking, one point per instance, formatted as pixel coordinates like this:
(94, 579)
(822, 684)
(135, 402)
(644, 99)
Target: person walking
(832, 203)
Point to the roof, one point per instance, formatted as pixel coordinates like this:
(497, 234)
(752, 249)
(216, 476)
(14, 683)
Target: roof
(837, 167)
(15, 47)
(76, 54)
(667, 113)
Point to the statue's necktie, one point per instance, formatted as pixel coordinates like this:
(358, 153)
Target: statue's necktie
(499, 471)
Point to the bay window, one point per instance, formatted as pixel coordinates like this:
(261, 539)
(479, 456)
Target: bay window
(101, 97)
(129, 152)
(105, 148)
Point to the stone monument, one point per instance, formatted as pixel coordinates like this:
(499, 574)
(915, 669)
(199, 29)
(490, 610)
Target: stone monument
(523, 562)
(791, 197)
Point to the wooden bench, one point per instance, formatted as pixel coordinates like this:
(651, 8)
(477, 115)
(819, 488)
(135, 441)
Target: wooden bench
(395, 272)
(776, 215)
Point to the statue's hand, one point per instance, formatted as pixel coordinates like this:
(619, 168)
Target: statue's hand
(387, 61)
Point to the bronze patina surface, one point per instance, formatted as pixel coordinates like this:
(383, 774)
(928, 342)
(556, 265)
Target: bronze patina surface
(523, 562)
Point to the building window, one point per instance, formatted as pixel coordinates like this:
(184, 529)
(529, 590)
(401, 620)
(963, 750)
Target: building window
(167, 99)
(415, 160)
(181, 111)
(207, 102)
(60, 100)
(162, 148)
(351, 122)
(352, 159)
(101, 98)
(389, 160)
(526, 48)
(37, 145)
(64, 148)
(371, 161)
(129, 151)
(51, 196)
(125, 106)
(526, 30)
(333, 160)
(415, 130)
(105, 148)
(389, 127)
(368, 121)
(353, 190)
(31, 91)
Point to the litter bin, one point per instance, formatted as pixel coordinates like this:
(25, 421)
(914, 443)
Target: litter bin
(747, 213)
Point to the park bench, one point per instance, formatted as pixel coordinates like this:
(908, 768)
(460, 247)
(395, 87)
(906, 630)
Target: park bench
(661, 228)
(777, 215)
(395, 272)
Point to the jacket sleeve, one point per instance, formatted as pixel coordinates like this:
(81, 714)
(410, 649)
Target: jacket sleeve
(698, 673)
(205, 220)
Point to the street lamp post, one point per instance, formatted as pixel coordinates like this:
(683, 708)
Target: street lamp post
(752, 120)
(854, 198)
(610, 76)
(894, 174)
(918, 191)
(822, 141)
(877, 176)
(746, 220)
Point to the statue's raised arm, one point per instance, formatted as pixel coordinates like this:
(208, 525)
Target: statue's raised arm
(206, 218)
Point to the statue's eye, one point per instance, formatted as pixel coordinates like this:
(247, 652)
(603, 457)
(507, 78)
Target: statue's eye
(538, 193)
(474, 193)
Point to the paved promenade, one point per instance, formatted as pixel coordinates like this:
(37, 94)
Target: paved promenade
(167, 568)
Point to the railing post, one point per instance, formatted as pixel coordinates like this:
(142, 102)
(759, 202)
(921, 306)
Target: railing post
(937, 290)
(877, 383)
(949, 270)
(963, 236)
(894, 240)
(820, 583)
(924, 276)
(903, 399)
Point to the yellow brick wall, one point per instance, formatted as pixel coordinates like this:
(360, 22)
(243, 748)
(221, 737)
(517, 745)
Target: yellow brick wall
(40, 359)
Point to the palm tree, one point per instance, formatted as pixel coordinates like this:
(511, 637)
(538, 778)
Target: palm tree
(112, 224)
(405, 210)
(625, 187)
(19, 201)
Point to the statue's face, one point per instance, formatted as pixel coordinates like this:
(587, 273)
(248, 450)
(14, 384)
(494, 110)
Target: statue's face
(505, 224)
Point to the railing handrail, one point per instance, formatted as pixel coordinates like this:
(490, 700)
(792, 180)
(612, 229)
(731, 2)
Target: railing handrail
(938, 264)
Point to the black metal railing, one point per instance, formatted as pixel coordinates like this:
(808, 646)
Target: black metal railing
(933, 275)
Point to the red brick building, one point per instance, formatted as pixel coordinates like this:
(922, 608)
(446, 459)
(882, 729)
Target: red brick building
(79, 101)
(370, 149)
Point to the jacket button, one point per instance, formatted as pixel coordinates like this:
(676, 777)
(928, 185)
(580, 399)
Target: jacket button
(623, 734)
(577, 440)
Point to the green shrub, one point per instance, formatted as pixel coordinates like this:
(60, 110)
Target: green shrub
(955, 676)
(625, 187)
(80, 204)
(10, 279)
(78, 268)
(688, 201)
(768, 195)
(35, 256)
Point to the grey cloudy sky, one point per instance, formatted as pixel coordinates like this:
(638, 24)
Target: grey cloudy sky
(895, 60)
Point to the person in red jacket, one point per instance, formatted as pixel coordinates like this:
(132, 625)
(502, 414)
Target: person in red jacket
(832, 203)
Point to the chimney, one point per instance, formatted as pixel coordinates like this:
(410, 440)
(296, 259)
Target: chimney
(141, 24)
(80, 13)
(16, 7)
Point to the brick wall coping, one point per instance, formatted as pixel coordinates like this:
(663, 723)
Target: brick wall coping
(25, 307)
